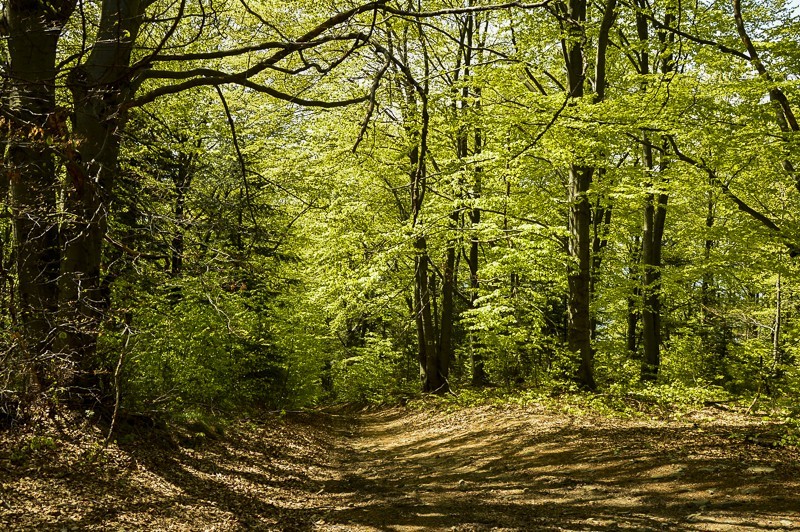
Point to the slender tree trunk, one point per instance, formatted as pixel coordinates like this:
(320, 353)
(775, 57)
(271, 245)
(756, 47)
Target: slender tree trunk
(182, 181)
(655, 213)
(651, 340)
(579, 339)
(601, 217)
(433, 368)
(422, 351)
(445, 351)
(777, 349)
(632, 335)
(430, 365)
(479, 377)
(601, 222)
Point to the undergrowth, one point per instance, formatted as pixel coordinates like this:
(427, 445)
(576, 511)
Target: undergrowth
(668, 401)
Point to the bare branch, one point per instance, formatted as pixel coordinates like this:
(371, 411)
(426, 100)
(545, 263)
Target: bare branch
(766, 221)
(464, 10)
(699, 40)
(239, 155)
(132, 252)
(211, 77)
(372, 103)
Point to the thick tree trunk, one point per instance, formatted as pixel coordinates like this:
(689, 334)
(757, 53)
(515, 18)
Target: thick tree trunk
(99, 89)
(655, 213)
(433, 380)
(82, 301)
(33, 33)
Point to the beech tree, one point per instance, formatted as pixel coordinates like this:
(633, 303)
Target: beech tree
(422, 193)
(51, 47)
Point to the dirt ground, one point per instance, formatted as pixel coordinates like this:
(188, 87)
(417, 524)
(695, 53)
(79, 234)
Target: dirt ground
(480, 468)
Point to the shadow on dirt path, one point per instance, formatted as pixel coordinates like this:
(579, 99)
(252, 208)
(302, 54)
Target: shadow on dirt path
(509, 469)
(483, 468)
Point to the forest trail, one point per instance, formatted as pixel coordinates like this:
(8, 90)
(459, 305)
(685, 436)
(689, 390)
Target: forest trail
(481, 468)
(511, 469)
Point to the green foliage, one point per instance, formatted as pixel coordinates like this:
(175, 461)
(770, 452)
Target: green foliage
(375, 373)
(667, 401)
(254, 258)
(32, 447)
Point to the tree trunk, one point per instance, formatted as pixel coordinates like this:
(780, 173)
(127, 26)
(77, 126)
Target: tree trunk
(655, 213)
(579, 339)
(33, 34)
(430, 364)
(652, 245)
(445, 351)
(632, 335)
(601, 222)
(99, 89)
(479, 377)
(182, 181)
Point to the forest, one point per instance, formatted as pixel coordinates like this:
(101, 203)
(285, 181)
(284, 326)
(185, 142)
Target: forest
(221, 211)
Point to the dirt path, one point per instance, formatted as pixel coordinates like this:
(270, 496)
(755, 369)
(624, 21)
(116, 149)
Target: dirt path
(490, 469)
(474, 469)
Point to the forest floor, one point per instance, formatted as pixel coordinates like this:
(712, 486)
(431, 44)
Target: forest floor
(477, 468)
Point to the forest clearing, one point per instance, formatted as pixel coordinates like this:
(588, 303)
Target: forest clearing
(470, 469)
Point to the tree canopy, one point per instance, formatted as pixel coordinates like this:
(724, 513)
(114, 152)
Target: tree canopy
(225, 204)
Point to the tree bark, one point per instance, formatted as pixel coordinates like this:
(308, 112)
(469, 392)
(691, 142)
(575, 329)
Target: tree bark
(655, 213)
(33, 33)
(99, 89)
(579, 339)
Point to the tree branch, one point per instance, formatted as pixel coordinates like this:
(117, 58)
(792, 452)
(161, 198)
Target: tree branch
(794, 249)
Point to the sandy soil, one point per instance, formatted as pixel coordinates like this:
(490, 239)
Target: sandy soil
(483, 468)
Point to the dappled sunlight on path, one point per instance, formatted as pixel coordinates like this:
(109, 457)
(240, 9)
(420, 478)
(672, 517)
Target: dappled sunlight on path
(483, 468)
(510, 469)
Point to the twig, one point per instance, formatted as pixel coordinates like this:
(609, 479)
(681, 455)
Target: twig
(117, 372)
